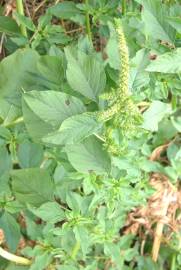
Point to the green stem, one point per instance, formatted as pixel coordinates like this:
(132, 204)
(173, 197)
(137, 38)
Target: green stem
(173, 264)
(88, 26)
(17, 121)
(174, 102)
(13, 258)
(123, 7)
(75, 250)
(20, 10)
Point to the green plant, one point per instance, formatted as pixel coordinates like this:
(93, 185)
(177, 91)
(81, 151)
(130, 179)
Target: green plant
(90, 137)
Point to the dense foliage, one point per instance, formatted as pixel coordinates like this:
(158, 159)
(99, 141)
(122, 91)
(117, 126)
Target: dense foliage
(90, 119)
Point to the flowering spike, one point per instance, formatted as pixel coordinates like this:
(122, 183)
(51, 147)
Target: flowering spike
(122, 110)
(124, 60)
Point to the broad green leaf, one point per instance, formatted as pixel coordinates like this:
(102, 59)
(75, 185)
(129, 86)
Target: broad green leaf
(33, 186)
(51, 72)
(30, 154)
(9, 26)
(11, 230)
(50, 212)
(175, 22)
(42, 261)
(156, 112)
(44, 111)
(166, 131)
(114, 252)
(55, 35)
(34, 230)
(74, 201)
(74, 129)
(13, 207)
(112, 48)
(5, 160)
(5, 133)
(146, 263)
(167, 63)
(85, 75)
(5, 187)
(154, 15)
(129, 254)
(8, 112)
(125, 241)
(176, 121)
(36, 127)
(67, 10)
(172, 151)
(82, 236)
(89, 156)
(138, 76)
(14, 80)
(15, 74)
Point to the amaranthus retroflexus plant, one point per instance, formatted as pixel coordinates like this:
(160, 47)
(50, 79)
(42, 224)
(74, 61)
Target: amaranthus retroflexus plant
(122, 111)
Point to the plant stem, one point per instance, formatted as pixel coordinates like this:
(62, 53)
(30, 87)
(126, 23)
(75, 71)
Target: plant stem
(13, 258)
(20, 10)
(17, 121)
(123, 7)
(173, 262)
(88, 27)
(75, 250)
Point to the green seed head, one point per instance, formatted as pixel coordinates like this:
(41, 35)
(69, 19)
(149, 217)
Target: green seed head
(122, 109)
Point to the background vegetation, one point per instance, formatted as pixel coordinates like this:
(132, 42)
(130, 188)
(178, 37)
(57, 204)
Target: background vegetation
(90, 158)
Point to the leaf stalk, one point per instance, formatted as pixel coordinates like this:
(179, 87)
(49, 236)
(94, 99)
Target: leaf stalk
(88, 26)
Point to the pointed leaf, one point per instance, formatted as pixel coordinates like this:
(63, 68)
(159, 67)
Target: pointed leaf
(138, 76)
(13, 80)
(30, 154)
(85, 75)
(175, 22)
(74, 129)
(11, 230)
(154, 16)
(50, 212)
(155, 114)
(167, 63)
(89, 156)
(44, 111)
(33, 186)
